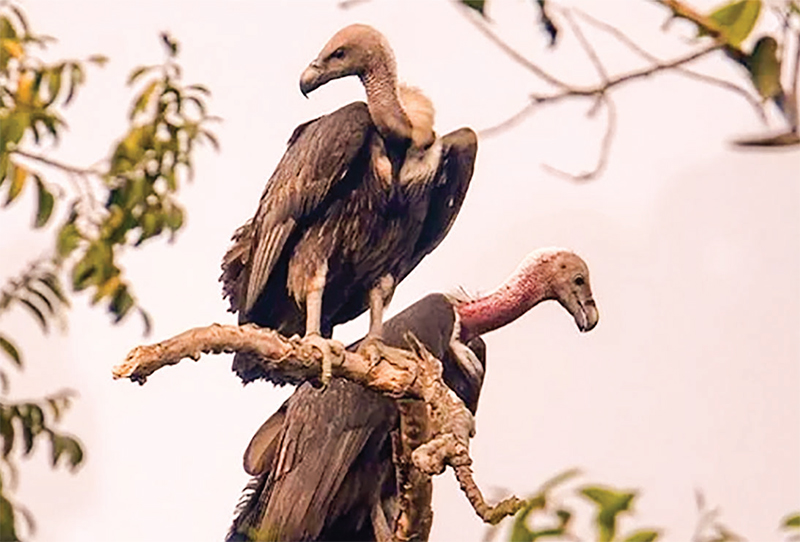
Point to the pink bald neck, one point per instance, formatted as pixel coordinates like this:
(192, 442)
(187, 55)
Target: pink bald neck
(528, 286)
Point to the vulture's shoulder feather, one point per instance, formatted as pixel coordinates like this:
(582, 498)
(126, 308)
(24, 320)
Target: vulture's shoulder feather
(319, 155)
(450, 186)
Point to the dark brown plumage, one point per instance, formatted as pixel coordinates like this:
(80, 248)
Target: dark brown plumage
(323, 461)
(358, 199)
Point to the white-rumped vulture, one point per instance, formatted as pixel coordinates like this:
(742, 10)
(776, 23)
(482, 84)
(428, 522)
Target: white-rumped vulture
(360, 196)
(322, 464)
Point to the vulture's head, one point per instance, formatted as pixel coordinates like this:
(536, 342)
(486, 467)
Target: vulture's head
(357, 49)
(567, 277)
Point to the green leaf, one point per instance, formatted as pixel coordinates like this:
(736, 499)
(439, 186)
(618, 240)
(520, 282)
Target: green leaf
(477, 5)
(792, 521)
(611, 503)
(46, 203)
(18, 179)
(765, 67)
(137, 73)
(99, 60)
(21, 16)
(146, 321)
(54, 83)
(7, 430)
(62, 445)
(121, 303)
(143, 99)
(8, 530)
(642, 536)
(74, 451)
(53, 283)
(7, 29)
(174, 218)
(211, 138)
(36, 312)
(9, 348)
(76, 79)
(45, 301)
(31, 417)
(736, 20)
(199, 88)
(68, 239)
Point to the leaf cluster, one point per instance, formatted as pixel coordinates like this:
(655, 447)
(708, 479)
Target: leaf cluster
(731, 25)
(546, 516)
(22, 425)
(127, 199)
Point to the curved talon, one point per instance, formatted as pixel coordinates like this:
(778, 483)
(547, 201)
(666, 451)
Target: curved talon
(373, 349)
(328, 349)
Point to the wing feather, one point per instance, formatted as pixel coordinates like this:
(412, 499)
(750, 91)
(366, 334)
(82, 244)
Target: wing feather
(318, 158)
(459, 149)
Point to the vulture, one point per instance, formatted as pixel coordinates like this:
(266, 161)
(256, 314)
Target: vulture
(359, 197)
(322, 464)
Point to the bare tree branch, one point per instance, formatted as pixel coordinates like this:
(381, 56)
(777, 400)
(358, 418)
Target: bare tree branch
(435, 422)
(605, 148)
(704, 78)
(515, 55)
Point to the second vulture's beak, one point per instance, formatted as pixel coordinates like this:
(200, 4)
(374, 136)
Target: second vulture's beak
(582, 308)
(312, 78)
(586, 316)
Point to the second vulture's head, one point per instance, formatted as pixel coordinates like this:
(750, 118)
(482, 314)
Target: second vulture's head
(568, 283)
(549, 273)
(357, 49)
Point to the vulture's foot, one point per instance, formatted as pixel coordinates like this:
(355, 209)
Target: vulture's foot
(329, 351)
(374, 349)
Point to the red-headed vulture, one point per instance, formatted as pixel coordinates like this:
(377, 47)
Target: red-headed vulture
(360, 196)
(322, 464)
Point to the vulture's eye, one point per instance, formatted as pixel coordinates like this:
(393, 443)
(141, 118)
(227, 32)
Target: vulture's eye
(338, 53)
(579, 281)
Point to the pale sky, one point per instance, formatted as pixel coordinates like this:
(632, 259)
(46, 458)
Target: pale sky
(690, 380)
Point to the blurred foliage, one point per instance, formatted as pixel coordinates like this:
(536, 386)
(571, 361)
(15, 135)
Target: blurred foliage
(94, 213)
(548, 515)
(555, 513)
(733, 25)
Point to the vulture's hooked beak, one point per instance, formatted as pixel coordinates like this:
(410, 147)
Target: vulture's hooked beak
(583, 309)
(586, 316)
(312, 78)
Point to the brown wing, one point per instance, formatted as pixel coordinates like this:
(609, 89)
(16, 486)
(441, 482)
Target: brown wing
(446, 195)
(459, 149)
(318, 156)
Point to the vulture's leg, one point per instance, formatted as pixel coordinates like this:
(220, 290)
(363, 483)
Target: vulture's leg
(313, 336)
(372, 346)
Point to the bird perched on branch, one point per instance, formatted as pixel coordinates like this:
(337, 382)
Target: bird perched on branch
(360, 196)
(322, 464)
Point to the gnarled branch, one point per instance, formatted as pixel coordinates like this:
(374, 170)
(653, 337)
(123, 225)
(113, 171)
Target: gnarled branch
(435, 424)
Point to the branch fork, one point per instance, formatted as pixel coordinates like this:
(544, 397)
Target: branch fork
(435, 426)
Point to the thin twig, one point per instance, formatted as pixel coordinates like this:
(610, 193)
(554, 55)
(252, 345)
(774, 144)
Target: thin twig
(590, 51)
(515, 55)
(510, 122)
(704, 78)
(605, 148)
(56, 164)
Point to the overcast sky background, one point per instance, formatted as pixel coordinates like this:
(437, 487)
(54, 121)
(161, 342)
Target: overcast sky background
(689, 381)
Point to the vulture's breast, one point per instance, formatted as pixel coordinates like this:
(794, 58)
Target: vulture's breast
(370, 230)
